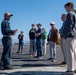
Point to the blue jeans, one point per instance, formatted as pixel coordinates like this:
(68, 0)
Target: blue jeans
(52, 50)
(5, 59)
(20, 46)
(39, 47)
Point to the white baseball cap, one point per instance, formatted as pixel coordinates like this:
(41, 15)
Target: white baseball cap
(52, 23)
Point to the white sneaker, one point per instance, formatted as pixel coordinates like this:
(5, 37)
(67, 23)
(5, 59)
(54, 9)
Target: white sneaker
(40, 57)
(53, 60)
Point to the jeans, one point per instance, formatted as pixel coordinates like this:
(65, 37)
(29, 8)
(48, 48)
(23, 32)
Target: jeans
(5, 59)
(20, 46)
(52, 50)
(39, 47)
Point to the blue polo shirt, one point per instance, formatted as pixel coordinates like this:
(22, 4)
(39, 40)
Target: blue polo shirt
(61, 30)
(39, 31)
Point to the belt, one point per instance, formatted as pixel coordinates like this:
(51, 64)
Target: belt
(6, 36)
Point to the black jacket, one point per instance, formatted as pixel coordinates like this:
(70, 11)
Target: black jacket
(20, 37)
(32, 34)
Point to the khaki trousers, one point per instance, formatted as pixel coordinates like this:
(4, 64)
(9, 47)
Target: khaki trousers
(44, 46)
(71, 53)
(63, 48)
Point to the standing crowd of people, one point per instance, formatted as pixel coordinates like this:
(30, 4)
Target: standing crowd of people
(39, 37)
(37, 41)
(68, 38)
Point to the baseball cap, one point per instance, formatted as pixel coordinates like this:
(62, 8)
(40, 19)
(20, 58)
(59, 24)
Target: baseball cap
(52, 23)
(21, 31)
(8, 14)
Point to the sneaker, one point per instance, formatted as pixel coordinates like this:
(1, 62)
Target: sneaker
(40, 57)
(74, 71)
(50, 58)
(31, 55)
(35, 55)
(53, 60)
(17, 52)
(44, 54)
(7, 68)
(68, 73)
(63, 63)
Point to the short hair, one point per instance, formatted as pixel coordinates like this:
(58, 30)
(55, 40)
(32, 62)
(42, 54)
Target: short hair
(43, 29)
(33, 24)
(68, 4)
(64, 15)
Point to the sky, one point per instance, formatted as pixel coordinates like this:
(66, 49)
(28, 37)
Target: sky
(27, 12)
